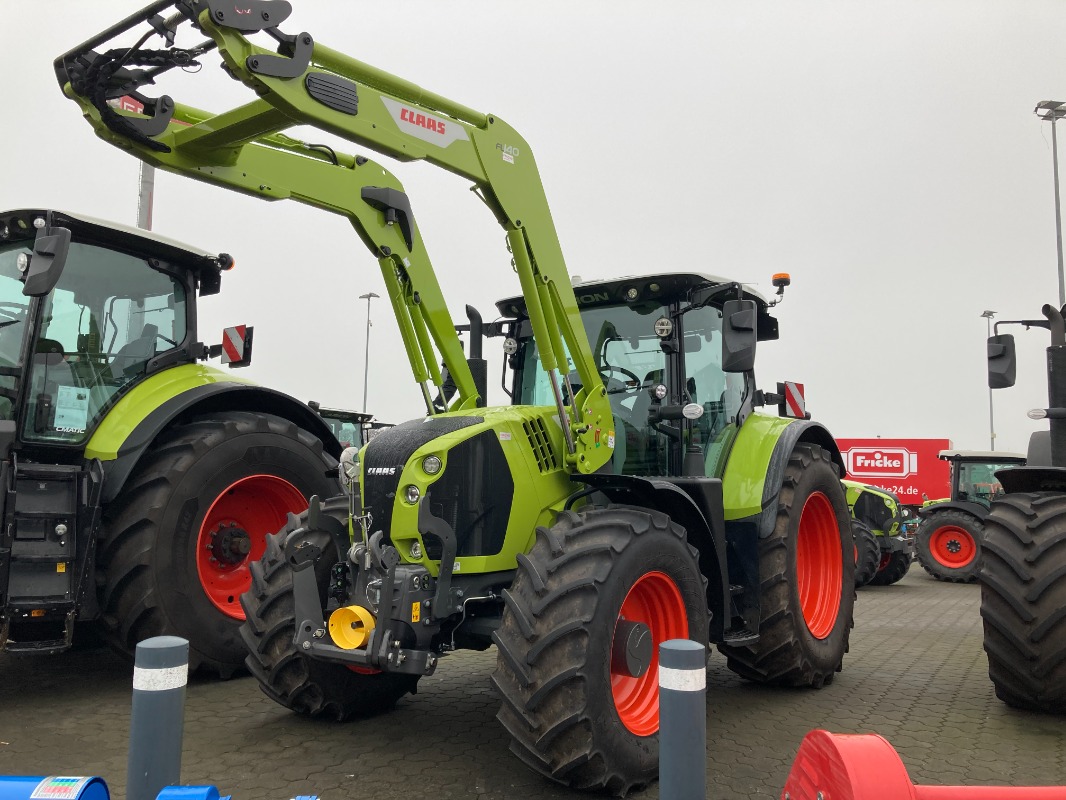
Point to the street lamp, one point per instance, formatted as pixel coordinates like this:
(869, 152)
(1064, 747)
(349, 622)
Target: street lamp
(991, 425)
(366, 359)
(1054, 110)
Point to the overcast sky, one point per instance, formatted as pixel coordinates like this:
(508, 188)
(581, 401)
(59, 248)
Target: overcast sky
(885, 154)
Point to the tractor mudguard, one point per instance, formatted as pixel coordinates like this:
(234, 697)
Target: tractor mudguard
(1032, 479)
(973, 509)
(694, 503)
(152, 405)
(756, 467)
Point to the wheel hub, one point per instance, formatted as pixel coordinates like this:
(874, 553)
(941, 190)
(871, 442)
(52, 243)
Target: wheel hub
(632, 649)
(954, 546)
(229, 544)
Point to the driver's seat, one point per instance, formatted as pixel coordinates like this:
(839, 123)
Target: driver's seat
(133, 355)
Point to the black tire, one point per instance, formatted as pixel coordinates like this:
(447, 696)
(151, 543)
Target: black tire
(286, 675)
(554, 669)
(1023, 600)
(788, 652)
(894, 567)
(149, 557)
(867, 552)
(948, 545)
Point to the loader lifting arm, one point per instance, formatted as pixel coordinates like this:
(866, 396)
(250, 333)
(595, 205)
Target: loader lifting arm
(306, 83)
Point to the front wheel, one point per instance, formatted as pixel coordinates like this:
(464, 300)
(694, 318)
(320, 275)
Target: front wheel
(578, 648)
(177, 542)
(806, 580)
(1023, 597)
(892, 568)
(949, 545)
(285, 674)
(867, 552)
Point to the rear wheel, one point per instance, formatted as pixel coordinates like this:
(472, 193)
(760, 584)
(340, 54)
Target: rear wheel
(1023, 600)
(867, 552)
(577, 668)
(178, 540)
(892, 568)
(287, 676)
(949, 545)
(807, 580)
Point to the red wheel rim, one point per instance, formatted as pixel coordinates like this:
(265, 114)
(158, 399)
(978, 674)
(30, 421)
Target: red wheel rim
(233, 534)
(952, 546)
(656, 601)
(883, 563)
(819, 568)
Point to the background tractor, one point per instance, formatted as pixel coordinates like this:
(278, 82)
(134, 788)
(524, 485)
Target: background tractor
(881, 529)
(948, 541)
(1023, 568)
(138, 483)
(632, 493)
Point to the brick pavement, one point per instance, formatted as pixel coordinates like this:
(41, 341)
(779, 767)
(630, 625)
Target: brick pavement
(916, 674)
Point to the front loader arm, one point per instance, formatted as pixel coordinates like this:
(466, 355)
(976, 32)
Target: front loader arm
(305, 83)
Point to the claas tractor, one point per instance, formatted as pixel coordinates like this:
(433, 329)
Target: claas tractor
(1023, 567)
(138, 482)
(948, 539)
(884, 545)
(630, 494)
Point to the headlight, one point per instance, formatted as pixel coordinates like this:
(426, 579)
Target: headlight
(348, 468)
(431, 465)
(411, 494)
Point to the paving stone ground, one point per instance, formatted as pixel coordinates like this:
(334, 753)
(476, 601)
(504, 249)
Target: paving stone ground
(916, 674)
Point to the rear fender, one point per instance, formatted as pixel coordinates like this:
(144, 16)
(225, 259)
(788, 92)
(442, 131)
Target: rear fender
(181, 393)
(695, 504)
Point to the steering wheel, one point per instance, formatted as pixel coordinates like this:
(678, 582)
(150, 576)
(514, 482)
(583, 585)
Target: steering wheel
(608, 370)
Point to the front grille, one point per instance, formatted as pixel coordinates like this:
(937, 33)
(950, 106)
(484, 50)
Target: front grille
(541, 445)
(474, 496)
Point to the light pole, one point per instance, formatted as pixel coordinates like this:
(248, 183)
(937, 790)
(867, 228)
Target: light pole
(991, 425)
(366, 359)
(1055, 110)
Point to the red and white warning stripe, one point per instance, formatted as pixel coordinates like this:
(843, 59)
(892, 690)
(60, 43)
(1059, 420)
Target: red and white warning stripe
(795, 406)
(233, 343)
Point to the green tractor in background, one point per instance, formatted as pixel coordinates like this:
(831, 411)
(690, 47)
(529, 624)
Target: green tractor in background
(882, 530)
(631, 494)
(138, 484)
(948, 540)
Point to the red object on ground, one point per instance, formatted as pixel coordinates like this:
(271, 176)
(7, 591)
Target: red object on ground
(907, 467)
(839, 766)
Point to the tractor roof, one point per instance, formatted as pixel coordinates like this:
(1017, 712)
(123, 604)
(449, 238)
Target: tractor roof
(650, 286)
(980, 455)
(19, 225)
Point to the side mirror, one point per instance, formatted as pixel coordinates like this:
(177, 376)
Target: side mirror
(739, 333)
(50, 250)
(1002, 361)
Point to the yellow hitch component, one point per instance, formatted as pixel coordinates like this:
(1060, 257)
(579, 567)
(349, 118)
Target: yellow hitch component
(350, 627)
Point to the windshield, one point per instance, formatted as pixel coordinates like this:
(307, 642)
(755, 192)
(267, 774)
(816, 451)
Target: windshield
(630, 359)
(978, 482)
(14, 307)
(109, 315)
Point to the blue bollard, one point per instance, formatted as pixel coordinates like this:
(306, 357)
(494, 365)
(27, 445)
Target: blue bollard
(682, 720)
(160, 674)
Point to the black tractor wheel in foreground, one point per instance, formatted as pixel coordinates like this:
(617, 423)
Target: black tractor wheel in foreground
(867, 552)
(807, 580)
(577, 663)
(891, 569)
(288, 677)
(1023, 597)
(177, 544)
(949, 545)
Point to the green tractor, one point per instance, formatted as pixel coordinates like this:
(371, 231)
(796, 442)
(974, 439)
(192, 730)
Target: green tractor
(948, 540)
(631, 494)
(881, 529)
(1023, 566)
(138, 483)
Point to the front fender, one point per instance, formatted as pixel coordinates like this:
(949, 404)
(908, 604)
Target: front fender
(135, 421)
(973, 509)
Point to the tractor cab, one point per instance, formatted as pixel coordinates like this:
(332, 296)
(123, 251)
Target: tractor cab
(973, 474)
(668, 348)
(81, 323)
